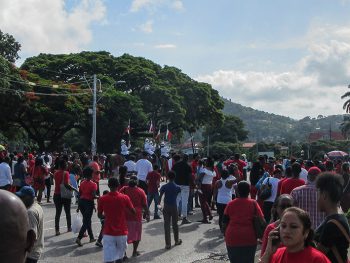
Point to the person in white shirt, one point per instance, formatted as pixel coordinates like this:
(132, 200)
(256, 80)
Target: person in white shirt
(124, 149)
(206, 193)
(5, 174)
(130, 165)
(223, 192)
(143, 167)
(271, 182)
(164, 150)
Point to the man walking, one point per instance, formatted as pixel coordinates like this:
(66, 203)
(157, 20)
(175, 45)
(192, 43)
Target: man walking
(112, 207)
(143, 167)
(183, 179)
(36, 222)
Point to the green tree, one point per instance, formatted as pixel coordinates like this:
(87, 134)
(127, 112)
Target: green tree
(231, 130)
(9, 47)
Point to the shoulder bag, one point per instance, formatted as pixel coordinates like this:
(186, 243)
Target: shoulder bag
(259, 223)
(65, 192)
(266, 190)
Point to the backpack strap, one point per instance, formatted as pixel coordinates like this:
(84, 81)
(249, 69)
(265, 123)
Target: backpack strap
(345, 234)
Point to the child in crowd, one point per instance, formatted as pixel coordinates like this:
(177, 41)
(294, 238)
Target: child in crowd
(100, 236)
(153, 183)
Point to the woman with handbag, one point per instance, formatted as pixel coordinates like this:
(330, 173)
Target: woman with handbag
(62, 195)
(39, 174)
(239, 224)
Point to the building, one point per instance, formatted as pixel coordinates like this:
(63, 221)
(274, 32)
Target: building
(326, 136)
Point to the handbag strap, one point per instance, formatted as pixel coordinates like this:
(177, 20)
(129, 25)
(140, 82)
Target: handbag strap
(345, 234)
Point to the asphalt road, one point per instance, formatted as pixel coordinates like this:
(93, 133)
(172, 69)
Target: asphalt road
(201, 242)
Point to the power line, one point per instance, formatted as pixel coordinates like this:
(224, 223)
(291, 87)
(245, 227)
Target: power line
(55, 86)
(44, 94)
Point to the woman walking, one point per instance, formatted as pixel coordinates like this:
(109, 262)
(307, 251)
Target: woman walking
(61, 176)
(206, 193)
(240, 236)
(39, 174)
(138, 199)
(87, 192)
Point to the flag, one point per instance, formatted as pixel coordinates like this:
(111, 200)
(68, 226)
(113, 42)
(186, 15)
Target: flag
(158, 135)
(151, 128)
(168, 135)
(127, 129)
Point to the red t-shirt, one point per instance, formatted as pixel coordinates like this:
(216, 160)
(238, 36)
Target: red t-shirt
(307, 255)
(280, 184)
(240, 230)
(289, 184)
(138, 199)
(153, 179)
(86, 190)
(58, 176)
(268, 229)
(114, 206)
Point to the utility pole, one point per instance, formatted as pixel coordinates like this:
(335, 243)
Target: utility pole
(93, 137)
(208, 146)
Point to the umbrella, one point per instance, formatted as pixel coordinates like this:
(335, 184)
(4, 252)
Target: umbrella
(2, 148)
(337, 154)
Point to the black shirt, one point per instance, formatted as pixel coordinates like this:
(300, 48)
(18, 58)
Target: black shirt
(328, 234)
(183, 173)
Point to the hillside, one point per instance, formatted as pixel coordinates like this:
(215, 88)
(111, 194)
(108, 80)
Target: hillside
(264, 126)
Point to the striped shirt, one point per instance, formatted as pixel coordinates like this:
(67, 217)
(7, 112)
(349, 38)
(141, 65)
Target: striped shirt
(305, 197)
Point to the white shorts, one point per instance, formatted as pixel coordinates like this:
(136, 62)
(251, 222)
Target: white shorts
(114, 247)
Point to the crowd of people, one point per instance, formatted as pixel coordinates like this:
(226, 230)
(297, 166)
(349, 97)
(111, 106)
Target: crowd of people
(293, 208)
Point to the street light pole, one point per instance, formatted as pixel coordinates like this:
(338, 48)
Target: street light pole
(93, 138)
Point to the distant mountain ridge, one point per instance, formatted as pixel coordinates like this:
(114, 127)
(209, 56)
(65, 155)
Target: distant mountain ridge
(269, 127)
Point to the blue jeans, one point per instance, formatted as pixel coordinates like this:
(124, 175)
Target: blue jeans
(150, 198)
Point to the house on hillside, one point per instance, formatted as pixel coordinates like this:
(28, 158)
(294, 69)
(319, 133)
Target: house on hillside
(326, 136)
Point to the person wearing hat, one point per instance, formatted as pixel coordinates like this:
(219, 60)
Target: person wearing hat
(124, 149)
(36, 222)
(306, 197)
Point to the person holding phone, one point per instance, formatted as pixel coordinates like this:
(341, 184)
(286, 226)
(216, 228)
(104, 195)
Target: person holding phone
(296, 234)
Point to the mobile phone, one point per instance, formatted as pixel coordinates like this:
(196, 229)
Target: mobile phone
(276, 242)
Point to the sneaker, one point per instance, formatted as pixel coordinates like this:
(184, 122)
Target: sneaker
(98, 244)
(92, 240)
(58, 233)
(185, 221)
(78, 241)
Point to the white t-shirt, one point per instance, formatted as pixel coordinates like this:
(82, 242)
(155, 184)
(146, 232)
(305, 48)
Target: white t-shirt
(274, 184)
(208, 176)
(130, 165)
(303, 175)
(36, 223)
(5, 174)
(224, 193)
(143, 167)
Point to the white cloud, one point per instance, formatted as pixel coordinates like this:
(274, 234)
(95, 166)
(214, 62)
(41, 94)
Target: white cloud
(165, 46)
(137, 5)
(152, 5)
(47, 26)
(313, 87)
(147, 27)
(177, 5)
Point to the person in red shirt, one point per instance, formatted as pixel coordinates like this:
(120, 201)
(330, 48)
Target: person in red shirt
(39, 173)
(87, 192)
(115, 229)
(240, 237)
(296, 235)
(134, 222)
(153, 183)
(96, 175)
(289, 184)
(61, 176)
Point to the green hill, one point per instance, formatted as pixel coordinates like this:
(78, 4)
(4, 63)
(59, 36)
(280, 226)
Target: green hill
(269, 127)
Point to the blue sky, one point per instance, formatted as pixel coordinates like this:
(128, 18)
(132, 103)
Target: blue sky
(289, 57)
